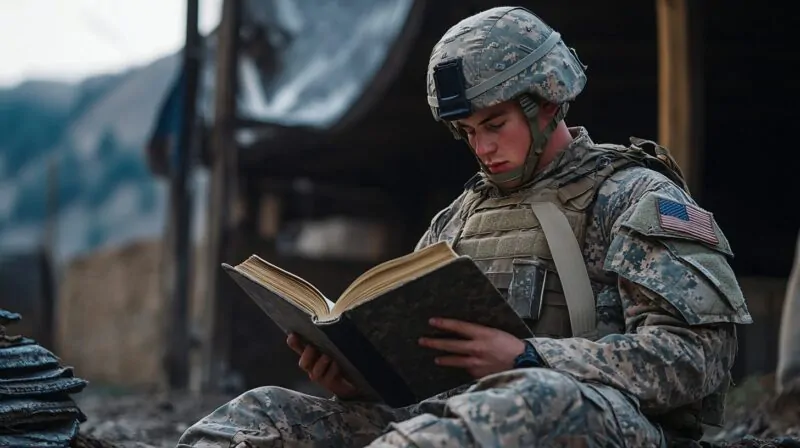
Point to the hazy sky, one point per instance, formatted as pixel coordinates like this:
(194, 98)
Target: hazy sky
(70, 39)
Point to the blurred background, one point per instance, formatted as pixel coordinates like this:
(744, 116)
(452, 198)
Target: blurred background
(143, 143)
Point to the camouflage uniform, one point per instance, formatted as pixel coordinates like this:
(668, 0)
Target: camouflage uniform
(654, 364)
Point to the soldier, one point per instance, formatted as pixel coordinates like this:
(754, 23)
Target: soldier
(600, 248)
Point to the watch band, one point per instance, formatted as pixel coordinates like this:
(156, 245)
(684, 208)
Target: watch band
(528, 358)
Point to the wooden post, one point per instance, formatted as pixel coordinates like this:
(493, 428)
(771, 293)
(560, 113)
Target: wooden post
(680, 85)
(177, 358)
(216, 315)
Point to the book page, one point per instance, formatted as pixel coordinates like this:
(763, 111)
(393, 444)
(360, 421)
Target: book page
(289, 286)
(389, 274)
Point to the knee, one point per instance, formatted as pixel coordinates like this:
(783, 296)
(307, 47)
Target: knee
(538, 390)
(535, 382)
(275, 406)
(254, 404)
(547, 391)
(525, 407)
(264, 397)
(253, 412)
(531, 401)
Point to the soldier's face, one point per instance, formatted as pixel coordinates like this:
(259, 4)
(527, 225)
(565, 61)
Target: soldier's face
(499, 135)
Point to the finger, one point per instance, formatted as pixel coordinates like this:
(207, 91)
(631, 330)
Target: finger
(343, 388)
(464, 362)
(461, 327)
(308, 358)
(332, 375)
(295, 343)
(336, 383)
(320, 367)
(450, 345)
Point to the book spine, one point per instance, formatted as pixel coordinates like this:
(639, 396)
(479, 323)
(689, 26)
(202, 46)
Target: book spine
(376, 370)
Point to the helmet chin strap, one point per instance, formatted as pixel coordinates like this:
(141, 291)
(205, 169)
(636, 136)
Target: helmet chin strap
(539, 139)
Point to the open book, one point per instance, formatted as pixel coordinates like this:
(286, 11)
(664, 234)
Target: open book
(372, 328)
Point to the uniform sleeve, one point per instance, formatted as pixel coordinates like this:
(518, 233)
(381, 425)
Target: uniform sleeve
(443, 225)
(428, 237)
(680, 300)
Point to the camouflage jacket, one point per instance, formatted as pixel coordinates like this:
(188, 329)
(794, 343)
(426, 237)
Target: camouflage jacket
(666, 303)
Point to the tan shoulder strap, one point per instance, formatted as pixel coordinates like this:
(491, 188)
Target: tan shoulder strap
(571, 267)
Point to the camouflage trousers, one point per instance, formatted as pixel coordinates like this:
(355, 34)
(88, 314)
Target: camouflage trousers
(519, 408)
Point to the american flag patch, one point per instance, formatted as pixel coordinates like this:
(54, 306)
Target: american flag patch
(687, 219)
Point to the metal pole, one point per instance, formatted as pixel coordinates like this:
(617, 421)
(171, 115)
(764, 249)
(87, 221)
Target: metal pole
(178, 333)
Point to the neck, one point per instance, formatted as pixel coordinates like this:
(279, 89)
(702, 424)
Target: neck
(559, 140)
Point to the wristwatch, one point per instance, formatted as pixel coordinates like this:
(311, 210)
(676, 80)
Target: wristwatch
(528, 358)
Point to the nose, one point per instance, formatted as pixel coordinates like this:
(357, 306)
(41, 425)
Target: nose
(484, 146)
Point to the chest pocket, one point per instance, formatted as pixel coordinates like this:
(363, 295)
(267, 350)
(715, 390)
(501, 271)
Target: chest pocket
(534, 292)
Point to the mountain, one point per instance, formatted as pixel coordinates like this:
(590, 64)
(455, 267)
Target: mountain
(90, 136)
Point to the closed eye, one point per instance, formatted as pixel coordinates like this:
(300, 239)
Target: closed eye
(495, 126)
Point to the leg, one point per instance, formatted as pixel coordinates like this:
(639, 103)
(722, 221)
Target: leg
(530, 407)
(273, 416)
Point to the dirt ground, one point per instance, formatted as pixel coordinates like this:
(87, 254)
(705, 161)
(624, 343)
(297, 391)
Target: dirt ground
(754, 418)
(142, 420)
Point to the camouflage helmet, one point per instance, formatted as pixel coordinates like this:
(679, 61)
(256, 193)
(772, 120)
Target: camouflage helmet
(501, 54)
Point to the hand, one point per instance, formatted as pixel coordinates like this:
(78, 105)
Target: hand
(484, 351)
(320, 368)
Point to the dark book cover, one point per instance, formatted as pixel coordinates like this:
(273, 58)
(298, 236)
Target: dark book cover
(393, 323)
(378, 340)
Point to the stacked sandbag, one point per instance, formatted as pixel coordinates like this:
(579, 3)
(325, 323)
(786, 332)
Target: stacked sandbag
(36, 408)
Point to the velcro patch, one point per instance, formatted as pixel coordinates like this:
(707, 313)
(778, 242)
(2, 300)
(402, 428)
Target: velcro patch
(686, 219)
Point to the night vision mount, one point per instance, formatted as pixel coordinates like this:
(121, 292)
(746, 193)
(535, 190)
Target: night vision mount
(451, 92)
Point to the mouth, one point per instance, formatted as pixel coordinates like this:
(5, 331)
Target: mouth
(497, 167)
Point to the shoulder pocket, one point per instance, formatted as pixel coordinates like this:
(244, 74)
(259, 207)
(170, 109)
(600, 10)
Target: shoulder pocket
(696, 280)
(676, 249)
(657, 215)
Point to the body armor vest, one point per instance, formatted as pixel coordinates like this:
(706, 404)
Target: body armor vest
(506, 239)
